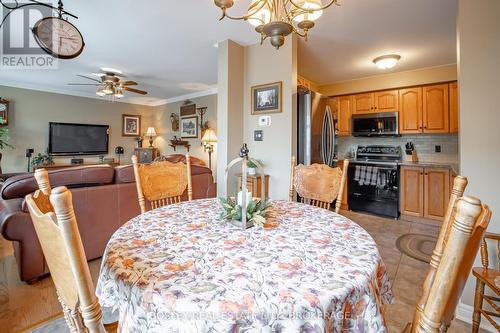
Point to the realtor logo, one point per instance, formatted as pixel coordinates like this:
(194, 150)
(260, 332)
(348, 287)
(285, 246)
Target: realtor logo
(18, 47)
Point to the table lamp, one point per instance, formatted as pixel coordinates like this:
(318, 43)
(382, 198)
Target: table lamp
(208, 139)
(151, 133)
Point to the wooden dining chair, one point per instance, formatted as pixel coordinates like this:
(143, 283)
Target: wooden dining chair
(446, 282)
(318, 184)
(57, 230)
(162, 183)
(487, 276)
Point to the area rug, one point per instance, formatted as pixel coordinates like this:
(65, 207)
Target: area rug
(417, 246)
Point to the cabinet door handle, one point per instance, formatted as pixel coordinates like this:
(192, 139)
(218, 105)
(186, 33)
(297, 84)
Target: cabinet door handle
(421, 173)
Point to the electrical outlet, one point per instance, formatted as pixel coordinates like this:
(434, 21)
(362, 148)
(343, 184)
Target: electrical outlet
(437, 148)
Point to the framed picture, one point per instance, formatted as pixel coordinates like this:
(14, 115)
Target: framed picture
(266, 98)
(189, 127)
(131, 125)
(188, 110)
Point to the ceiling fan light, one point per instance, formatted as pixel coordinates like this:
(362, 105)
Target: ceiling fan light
(108, 89)
(261, 17)
(387, 61)
(119, 93)
(100, 93)
(308, 5)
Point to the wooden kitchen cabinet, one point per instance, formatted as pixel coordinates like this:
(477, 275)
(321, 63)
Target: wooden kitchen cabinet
(386, 101)
(344, 115)
(380, 101)
(410, 115)
(453, 88)
(363, 103)
(435, 109)
(425, 192)
(412, 191)
(437, 193)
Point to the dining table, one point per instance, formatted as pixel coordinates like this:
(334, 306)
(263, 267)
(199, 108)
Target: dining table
(181, 268)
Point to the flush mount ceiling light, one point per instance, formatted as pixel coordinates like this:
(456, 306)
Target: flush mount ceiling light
(387, 61)
(276, 19)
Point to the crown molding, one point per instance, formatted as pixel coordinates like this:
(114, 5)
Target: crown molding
(211, 91)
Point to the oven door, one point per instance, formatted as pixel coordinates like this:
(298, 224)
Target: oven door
(374, 188)
(377, 124)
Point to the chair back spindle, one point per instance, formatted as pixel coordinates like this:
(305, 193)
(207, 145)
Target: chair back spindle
(459, 185)
(460, 248)
(57, 230)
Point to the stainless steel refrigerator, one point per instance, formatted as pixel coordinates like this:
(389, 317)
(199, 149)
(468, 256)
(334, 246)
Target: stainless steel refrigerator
(316, 132)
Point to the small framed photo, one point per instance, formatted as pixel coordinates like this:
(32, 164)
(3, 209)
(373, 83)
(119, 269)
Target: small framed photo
(266, 98)
(188, 110)
(131, 125)
(189, 127)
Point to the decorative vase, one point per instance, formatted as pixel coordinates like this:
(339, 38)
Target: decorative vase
(252, 171)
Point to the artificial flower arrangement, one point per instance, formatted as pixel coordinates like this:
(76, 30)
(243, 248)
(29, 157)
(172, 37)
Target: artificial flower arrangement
(257, 211)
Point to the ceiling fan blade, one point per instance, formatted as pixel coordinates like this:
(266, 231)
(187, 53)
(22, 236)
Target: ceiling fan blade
(129, 83)
(137, 91)
(89, 78)
(83, 84)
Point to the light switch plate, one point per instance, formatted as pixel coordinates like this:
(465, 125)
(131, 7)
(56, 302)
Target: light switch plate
(264, 121)
(258, 135)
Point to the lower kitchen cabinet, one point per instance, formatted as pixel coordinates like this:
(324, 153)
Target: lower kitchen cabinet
(425, 192)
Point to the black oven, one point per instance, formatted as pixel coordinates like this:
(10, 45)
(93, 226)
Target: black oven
(374, 188)
(375, 124)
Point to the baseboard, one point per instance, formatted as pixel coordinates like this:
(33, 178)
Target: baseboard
(464, 313)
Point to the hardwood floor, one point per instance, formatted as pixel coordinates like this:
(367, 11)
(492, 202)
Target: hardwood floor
(23, 307)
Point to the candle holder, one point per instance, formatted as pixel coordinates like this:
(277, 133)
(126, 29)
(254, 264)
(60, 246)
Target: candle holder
(243, 210)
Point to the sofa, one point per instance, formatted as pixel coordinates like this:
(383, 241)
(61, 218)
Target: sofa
(104, 198)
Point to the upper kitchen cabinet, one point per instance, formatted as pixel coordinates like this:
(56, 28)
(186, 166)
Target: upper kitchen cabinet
(453, 87)
(364, 103)
(386, 101)
(380, 101)
(410, 115)
(435, 110)
(344, 115)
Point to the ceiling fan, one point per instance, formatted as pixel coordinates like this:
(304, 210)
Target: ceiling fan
(110, 83)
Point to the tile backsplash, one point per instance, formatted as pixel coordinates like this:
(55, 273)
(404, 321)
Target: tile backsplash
(424, 144)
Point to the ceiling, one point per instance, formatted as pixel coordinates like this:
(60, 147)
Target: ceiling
(347, 38)
(168, 46)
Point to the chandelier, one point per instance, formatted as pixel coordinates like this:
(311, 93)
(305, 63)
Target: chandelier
(276, 19)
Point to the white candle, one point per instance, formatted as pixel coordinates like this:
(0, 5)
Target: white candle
(240, 198)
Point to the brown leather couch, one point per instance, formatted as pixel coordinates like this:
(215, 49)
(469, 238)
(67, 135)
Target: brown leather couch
(103, 198)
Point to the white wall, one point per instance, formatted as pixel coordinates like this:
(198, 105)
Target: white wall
(264, 64)
(161, 120)
(31, 111)
(479, 85)
(230, 82)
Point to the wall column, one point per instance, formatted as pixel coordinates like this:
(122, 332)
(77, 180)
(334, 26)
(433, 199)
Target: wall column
(230, 83)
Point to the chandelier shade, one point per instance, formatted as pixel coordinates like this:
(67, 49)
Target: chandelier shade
(276, 19)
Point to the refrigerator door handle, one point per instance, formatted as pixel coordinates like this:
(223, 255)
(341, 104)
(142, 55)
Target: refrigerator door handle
(328, 137)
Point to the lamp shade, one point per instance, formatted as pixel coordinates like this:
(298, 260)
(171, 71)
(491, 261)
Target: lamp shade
(209, 136)
(151, 132)
(314, 6)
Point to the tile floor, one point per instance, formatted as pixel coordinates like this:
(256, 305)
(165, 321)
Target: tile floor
(24, 306)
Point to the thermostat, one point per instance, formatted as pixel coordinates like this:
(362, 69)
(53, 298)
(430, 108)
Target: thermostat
(264, 121)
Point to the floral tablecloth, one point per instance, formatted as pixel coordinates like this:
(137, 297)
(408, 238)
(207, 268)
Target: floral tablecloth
(180, 269)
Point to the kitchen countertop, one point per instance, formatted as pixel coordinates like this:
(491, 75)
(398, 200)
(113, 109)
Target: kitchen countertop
(430, 164)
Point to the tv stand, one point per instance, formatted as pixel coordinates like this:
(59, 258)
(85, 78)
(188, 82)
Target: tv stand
(64, 166)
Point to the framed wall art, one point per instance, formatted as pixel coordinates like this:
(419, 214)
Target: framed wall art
(131, 125)
(266, 98)
(189, 127)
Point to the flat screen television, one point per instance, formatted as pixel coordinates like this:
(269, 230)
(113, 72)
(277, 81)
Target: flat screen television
(78, 139)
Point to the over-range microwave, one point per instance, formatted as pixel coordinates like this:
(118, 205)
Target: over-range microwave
(375, 124)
